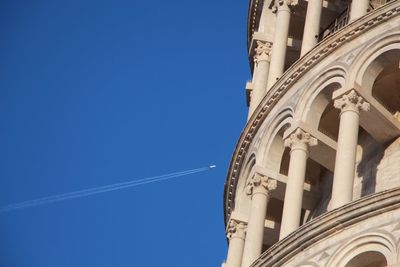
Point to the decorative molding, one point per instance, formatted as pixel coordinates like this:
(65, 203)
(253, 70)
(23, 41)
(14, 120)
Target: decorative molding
(298, 69)
(260, 184)
(351, 101)
(262, 51)
(300, 138)
(236, 229)
(284, 4)
(329, 224)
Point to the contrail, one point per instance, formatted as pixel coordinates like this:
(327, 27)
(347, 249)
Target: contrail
(100, 189)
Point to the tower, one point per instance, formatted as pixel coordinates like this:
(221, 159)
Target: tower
(315, 176)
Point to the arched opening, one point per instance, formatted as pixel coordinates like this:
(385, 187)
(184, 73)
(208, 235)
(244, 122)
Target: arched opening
(368, 259)
(275, 154)
(242, 202)
(270, 148)
(247, 169)
(381, 80)
(380, 71)
(273, 144)
(377, 249)
(386, 85)
(325, 114)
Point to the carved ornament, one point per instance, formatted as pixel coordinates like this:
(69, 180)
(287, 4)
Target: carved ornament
(300, 139)
(263, 51)
(260, 183)
(351, 101)
(290, 77)
(236, 229)
(284, 4)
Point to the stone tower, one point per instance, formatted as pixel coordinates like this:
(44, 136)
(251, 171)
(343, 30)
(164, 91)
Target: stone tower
(315, 176)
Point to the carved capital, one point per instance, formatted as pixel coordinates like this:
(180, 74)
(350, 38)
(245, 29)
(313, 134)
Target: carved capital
(351, 101)
(279, 4)
(260, 184)
(236, 229)
(263, 51)
(300, 139)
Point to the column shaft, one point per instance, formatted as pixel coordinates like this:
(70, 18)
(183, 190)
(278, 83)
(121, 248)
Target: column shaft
(294, 192)
(259, 187)
(358, 9)
(259, 85)
(278, 55)
(255, 230)
(312, 25)
(299, 142)
(343, 178)
(235, 252)
(236, 235)
(260, 76)
(342, 189)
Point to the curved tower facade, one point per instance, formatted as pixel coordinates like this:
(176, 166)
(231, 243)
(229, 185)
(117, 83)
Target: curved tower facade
(315, 176)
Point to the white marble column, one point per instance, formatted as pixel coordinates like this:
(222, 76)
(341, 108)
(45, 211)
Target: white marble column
(350, 105)
(259, 188)
(236, 234)
(311, 26)
(358, 9)
(260, 76)
(280, 40)
(298, 142)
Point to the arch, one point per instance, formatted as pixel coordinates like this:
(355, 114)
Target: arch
(368, 259)
(242, 203)
(272, 147)
(378, 242)
(276, 125)
(398, 249)
(314, 101)
(368, 65)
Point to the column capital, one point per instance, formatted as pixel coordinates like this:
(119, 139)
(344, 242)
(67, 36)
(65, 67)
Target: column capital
(260, 184)
(284, 4)
(262, 51)
(300, 139)
(236, 229)
(351, 101)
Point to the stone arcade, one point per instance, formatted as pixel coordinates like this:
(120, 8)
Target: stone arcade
(315, 176)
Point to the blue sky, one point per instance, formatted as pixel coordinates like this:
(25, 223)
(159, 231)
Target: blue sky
(99, 92)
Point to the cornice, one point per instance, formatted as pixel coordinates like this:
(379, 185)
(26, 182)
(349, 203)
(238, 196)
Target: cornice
(298, 69)
(328, 224)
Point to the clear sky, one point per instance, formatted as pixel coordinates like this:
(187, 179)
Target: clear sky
(98, 92)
